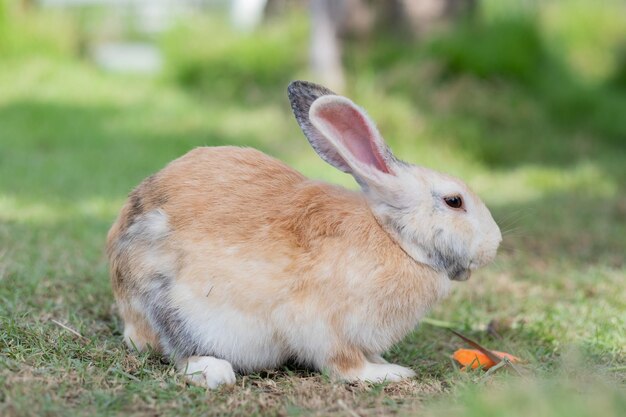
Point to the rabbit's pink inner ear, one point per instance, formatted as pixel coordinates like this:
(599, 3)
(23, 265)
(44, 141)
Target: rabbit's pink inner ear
(353, 130)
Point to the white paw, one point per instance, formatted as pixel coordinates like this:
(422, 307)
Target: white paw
(378, 372)
(208, 371)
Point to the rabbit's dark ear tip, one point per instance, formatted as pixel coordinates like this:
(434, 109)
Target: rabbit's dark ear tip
(294, 84)
(293, 87)
(299, 87)
(299, 84)
(306, 88)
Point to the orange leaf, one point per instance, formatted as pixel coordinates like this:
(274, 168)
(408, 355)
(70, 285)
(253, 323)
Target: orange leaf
(474, 358)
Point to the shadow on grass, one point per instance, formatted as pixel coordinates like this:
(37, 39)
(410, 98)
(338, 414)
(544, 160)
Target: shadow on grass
(68, 152)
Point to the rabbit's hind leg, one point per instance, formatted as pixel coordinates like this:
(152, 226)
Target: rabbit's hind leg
(138, 334)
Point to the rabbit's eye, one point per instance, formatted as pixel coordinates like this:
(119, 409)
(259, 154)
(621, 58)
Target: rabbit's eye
(454, 201)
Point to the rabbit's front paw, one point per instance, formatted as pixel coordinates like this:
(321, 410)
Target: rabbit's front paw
(379, 372)
(207, 371)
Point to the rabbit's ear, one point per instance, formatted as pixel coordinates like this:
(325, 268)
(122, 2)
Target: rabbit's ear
(340, 132)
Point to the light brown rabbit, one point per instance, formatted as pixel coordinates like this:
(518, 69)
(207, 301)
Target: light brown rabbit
(229, 260)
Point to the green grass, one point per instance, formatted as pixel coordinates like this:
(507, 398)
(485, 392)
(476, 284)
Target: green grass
(74, 141)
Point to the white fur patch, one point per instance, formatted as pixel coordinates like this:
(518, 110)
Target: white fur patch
(247, 341)
(151, 226)
(379, 372)
(143, 243)
(208, 371)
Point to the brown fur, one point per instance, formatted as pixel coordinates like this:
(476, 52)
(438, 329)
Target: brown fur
(346, 360)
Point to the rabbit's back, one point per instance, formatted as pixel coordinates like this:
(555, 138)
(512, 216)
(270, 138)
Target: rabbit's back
(226, 191)
(214, 188)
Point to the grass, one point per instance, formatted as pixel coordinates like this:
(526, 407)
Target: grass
(74, 141)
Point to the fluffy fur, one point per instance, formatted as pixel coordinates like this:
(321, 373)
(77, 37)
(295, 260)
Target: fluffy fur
(229, 259)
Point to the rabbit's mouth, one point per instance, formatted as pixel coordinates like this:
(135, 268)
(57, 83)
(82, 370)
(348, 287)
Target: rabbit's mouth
(461, 274)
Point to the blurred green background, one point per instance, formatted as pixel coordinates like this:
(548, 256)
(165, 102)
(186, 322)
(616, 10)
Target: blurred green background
(523, 100)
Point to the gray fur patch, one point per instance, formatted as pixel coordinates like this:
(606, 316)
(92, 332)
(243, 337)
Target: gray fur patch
(136, 200)
(439, 258)
(175, 336)
(446, 261)
(147, 232)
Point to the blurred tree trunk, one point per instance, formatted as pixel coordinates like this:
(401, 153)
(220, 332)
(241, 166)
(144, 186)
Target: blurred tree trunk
(27, 4)
(326, 17)
(425, 16)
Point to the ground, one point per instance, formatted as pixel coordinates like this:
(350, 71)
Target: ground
(74, 141)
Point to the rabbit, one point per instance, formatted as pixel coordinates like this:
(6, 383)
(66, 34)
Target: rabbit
(228, 260)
